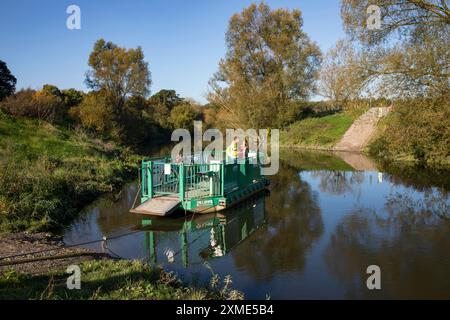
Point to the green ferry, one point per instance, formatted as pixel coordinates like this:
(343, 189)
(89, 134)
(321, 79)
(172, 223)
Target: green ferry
(198, 183)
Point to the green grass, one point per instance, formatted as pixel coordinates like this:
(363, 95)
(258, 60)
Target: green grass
(318, 133)
(107, 279)
(48, 173)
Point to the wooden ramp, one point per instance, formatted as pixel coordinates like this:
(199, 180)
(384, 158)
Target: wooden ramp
(159, 206)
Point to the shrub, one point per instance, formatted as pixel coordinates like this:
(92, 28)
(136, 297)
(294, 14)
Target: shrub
(20, 104)
(46, 104)
(183, 116)
(94, 113)
(418, 129)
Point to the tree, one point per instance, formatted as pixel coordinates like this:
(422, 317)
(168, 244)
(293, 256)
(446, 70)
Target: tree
(94, 113)
(411, 19)
(408, 56)
(169, 98)
(72, 97)
(162, 104)
(49, 104)
(118, 71)
(270, 64)
(183, 116)
(341, 77)
(7, 81)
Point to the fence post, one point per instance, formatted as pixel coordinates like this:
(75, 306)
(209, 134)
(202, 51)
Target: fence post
(181, 178)
(222, 178)
(143, 182)
(150, 178)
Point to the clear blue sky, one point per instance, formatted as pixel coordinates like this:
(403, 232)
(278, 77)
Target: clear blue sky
(183, 40)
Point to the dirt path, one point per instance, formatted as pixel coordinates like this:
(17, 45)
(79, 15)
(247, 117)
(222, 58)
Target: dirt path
(361, 131)
(23, 243)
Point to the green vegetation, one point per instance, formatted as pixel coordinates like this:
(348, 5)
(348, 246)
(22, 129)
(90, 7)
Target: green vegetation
(107, 279)
(318, 132)
(417, 131)
(270, 65)
(48, 173)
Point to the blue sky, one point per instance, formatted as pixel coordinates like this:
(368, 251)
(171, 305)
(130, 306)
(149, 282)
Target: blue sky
(183, 41)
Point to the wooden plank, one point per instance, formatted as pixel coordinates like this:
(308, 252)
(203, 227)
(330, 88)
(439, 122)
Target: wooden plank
(158, 206)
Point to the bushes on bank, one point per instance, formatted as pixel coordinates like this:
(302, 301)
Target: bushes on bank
(417, 130)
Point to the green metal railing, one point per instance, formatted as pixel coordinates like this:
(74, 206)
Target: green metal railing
(188, 180)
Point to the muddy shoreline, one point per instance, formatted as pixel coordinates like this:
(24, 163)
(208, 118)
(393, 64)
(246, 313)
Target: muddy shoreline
(39, 253)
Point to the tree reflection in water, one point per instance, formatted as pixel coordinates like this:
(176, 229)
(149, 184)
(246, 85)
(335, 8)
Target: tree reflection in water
(338, 182)
(294, 223)
(408, 241)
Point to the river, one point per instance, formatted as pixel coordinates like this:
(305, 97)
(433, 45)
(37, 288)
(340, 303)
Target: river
(325, 219)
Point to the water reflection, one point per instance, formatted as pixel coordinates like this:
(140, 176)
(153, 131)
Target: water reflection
(409, 240)
(323, 223)
(294, 224)
(197, 238)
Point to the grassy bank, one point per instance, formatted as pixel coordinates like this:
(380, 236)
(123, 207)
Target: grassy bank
(318, 132)
(48, 173)
(107, 279)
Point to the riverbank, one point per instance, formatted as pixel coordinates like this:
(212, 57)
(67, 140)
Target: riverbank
(319, 132)
(48, 173)
(404, 136)
(28, 253)
(102, 276)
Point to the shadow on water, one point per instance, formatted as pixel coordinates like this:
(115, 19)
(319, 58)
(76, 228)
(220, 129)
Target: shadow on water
(313, 236)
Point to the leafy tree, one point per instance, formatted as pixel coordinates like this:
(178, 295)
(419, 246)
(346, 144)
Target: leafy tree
(270, 64)
(7, 81)
(183, 116)
(169, 98)
(138, 123)
(51, 90)
(72, 97)
(94, 113)
(162, 104)
(118, 71)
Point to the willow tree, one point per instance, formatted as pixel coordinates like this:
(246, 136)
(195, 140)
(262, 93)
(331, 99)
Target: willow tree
(408, 54)
(270, 64)
(341, 78)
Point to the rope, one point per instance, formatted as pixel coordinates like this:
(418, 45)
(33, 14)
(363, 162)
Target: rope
(69, 246)
(63, 256)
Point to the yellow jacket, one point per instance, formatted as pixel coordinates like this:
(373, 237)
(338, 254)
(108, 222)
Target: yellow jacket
(232, 150)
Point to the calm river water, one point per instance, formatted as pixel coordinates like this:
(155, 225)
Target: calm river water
(325, 219)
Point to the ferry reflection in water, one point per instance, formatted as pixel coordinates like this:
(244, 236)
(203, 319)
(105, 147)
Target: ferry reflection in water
(192, 240)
